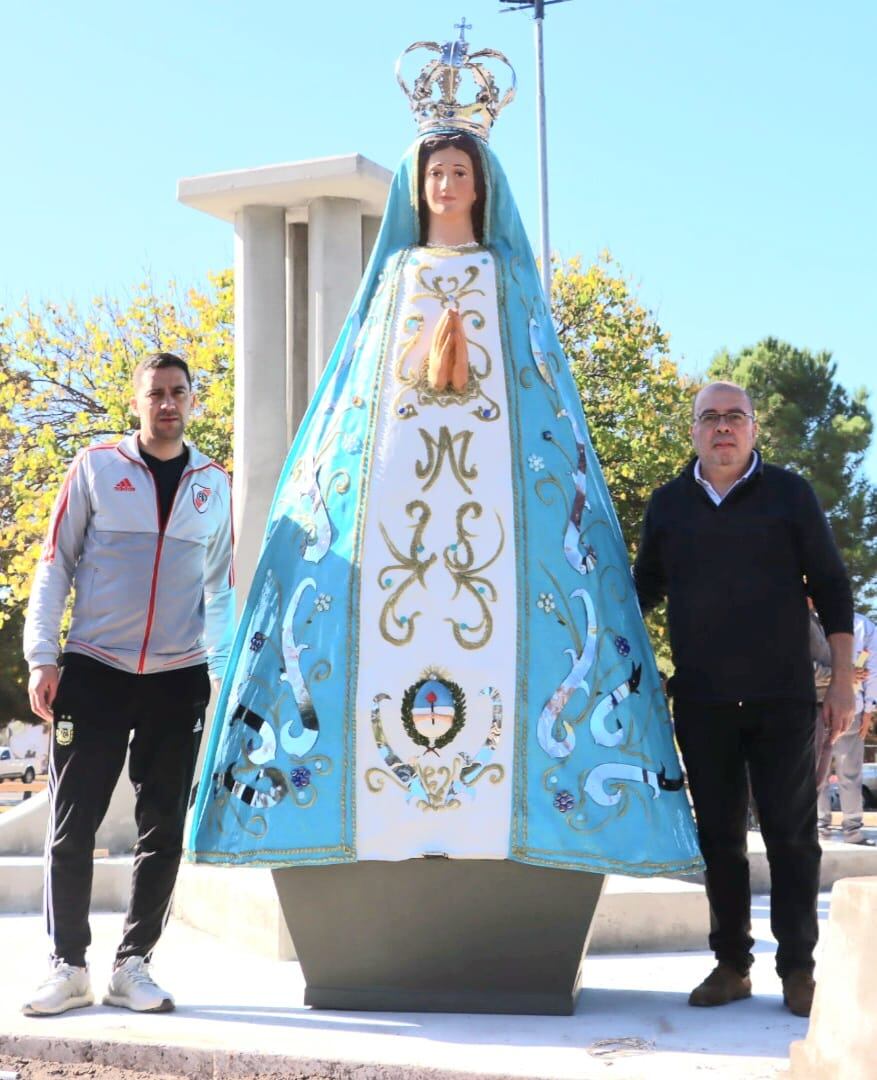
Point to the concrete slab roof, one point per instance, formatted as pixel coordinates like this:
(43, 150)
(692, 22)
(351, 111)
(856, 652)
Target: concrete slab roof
(293, 186)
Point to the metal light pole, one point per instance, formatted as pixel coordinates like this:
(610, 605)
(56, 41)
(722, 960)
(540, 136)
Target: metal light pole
(538, 7)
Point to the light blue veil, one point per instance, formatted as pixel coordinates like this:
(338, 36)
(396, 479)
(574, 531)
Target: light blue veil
(597, 784)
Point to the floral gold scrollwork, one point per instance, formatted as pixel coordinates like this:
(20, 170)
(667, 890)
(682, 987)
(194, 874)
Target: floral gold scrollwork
(459, 560)
(437, 786)
(376, 780)
(437, 782)
(408, 379)
(339, 481)
(444, 447)
(441, 783)
(542, 489)
(415, 568)
(410, 369)
(450, 294)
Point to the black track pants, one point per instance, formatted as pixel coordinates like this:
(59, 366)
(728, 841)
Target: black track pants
(772, 742)
(96, 709)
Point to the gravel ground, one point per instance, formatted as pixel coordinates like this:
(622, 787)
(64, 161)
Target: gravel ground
(28, 1069)
(50, 1070)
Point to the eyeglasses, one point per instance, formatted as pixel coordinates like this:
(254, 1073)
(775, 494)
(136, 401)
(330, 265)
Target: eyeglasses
(734, 417)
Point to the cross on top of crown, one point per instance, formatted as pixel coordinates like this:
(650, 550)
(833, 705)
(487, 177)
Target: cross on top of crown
(434, 95)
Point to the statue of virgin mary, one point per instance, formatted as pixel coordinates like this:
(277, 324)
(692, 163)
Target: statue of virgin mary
(442, 651)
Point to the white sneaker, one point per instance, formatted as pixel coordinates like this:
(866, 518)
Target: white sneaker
(132, 987)
(66, 987)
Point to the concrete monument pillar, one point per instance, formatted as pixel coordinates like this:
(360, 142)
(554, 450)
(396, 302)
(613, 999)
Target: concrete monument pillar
(334, 272)
(297, 321)
(260, 429)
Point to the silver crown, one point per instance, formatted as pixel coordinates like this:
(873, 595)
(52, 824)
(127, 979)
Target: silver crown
(445, 74)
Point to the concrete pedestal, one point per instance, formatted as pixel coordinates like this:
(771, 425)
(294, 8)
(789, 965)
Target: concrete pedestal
(840, 1040)
(440, 935)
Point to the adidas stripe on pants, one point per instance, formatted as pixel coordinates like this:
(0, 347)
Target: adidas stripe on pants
(96, 711)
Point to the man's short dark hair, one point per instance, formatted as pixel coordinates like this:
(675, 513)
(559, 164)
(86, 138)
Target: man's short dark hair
(158, 360)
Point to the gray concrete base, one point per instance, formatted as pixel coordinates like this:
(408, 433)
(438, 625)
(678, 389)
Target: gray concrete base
(839, 860)
(840, 1039)
(440, 935)
(650, 915)
(21, 884)
(23, 827)
(634, 914)
(238, 904)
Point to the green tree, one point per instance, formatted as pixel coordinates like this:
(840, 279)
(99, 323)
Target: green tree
(13, 673)
(65, 382)
(637, 403)
(810, 423)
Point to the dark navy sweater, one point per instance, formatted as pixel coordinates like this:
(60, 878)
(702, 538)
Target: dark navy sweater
(733, 576)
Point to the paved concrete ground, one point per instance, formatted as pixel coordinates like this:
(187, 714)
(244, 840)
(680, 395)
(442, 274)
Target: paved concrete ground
(239, 1014)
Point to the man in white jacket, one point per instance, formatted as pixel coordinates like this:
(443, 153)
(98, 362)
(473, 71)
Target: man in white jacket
(141, 530)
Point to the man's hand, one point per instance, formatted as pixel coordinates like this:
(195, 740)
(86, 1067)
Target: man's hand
(215, 686)
(41, 689)
(867, 718)
(839, 707)
(859, 676)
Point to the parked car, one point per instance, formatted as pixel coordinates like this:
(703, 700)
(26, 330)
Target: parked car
(869, 788)
(12, 768)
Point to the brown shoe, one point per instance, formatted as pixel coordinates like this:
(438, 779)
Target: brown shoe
(798, 988)
(722, 986)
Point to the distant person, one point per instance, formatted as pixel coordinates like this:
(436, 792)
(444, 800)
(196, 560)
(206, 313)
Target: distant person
(848, 750)
(141, 529)
(729, 542)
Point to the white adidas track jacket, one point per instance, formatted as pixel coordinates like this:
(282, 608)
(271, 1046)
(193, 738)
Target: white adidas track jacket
(146, 600)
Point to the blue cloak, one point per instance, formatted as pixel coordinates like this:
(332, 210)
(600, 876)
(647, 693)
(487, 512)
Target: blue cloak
(591, 776)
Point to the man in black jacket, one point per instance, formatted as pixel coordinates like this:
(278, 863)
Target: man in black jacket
(729, 542)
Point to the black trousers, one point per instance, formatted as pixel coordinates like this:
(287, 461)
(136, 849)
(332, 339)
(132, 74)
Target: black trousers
(774, 743)
(96, 709)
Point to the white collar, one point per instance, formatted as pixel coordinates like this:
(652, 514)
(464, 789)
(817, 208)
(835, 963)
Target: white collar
(711, 491)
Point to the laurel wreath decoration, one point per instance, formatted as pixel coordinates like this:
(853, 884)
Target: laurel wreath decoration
(408, 713)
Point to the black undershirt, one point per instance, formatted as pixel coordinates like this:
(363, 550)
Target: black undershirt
(167, 478)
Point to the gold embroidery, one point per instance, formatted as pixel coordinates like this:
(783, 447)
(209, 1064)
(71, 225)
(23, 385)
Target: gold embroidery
(437, 449)
(416, 568)
(453, 294)
(413, 375)
(459, 559)
(438, 783)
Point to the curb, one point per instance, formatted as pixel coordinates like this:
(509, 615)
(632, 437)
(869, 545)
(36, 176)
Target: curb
(198, 1063)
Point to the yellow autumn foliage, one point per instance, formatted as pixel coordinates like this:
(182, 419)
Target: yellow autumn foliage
(65, 383)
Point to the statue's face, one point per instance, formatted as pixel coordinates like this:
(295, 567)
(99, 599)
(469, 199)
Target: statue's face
(449, 185)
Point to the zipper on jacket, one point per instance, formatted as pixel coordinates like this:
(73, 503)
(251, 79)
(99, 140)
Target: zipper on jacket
(162, 527)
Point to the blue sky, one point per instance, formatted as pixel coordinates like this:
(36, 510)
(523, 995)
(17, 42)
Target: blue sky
(725, 154)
